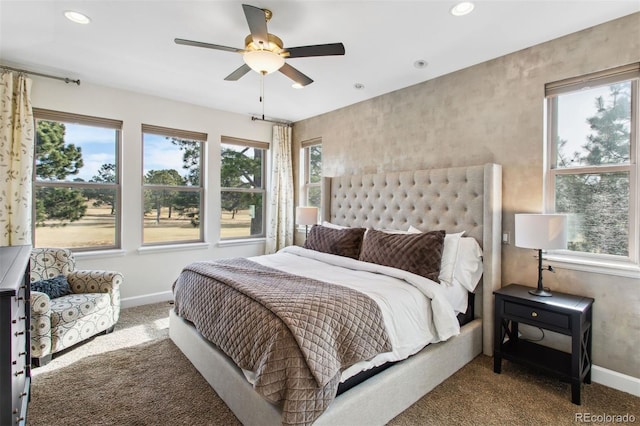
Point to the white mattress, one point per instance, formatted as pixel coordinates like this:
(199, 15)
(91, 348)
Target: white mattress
(415, 310)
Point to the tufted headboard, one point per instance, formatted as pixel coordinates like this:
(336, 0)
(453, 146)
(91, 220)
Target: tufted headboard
(454, 199)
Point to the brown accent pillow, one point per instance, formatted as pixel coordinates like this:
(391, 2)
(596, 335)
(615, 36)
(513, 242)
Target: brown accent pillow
(420, 254)
(342, 242)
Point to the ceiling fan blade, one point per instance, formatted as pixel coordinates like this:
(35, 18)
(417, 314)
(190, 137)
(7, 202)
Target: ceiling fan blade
(207, 45)
(257, 24)
(295, 75)
(316, 50)
(234, 76)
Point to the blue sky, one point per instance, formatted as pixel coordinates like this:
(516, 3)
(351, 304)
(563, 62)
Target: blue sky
(98, 148)
(573, 110)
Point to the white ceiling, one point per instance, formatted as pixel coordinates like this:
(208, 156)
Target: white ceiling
(129, 45)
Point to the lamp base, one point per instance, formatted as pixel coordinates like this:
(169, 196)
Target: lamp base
(540, 292)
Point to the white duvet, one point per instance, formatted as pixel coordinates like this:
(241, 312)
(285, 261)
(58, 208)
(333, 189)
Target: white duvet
(415, 309)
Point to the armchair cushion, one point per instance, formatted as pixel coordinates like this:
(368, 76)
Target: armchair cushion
(79, 316)
(53, 287)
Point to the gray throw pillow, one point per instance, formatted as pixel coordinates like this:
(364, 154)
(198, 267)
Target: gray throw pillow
(53, 287)
(419, 254)
(342, 242)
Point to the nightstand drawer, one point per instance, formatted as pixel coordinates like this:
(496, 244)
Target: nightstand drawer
(540, 316)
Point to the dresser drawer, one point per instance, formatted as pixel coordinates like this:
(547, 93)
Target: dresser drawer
(542, 317)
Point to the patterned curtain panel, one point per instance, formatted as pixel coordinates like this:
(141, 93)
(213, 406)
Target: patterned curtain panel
(280, 208)
(17, 135)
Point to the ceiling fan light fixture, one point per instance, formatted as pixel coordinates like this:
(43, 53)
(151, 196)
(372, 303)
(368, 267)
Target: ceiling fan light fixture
(462, 8)
(263, 61)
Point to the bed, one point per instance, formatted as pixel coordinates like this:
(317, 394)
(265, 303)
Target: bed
(454, 199)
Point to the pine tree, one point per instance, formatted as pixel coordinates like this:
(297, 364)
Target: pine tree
(600, 200)
(55, 161)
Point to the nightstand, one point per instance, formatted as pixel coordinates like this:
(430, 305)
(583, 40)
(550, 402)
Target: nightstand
(562, 313)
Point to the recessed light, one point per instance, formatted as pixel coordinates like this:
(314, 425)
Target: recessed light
(462, 8)
(358, 86)
(297, 86)
(420, 63)
(77, 17)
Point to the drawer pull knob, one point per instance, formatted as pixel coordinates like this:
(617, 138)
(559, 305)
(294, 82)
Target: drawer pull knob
(19, 419)
(23, 394)
(19, 333)
(18, 373)
(534, 314)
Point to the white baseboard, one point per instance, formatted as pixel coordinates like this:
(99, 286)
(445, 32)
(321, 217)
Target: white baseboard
(147, 299)
(615, 380)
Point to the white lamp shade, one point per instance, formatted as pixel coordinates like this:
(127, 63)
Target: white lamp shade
(541, 231)
(306, 215)
(263, 61)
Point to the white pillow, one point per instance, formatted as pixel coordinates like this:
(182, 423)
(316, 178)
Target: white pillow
(468, 269)
(333, 226)
(411, 230)
(449, 255)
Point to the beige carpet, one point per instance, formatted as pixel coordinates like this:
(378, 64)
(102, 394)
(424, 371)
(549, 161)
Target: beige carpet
(137, 376)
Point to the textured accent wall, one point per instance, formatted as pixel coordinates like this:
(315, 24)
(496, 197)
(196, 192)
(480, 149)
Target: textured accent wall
(493, 112)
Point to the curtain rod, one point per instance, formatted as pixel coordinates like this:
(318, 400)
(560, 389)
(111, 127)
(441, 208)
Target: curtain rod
(284, 123)
(65, 79)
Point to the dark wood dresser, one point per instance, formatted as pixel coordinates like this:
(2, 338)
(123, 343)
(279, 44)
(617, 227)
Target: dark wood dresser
(15, 357)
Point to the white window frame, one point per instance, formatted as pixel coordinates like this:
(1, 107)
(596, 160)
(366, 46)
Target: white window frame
(264, 146)
(305, 169)
(627, 266)
(179, 134)
(72, 118)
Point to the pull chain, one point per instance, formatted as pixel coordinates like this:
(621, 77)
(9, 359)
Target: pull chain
(262, 92)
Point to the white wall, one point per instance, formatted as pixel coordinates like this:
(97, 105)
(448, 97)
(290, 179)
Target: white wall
(151, 272)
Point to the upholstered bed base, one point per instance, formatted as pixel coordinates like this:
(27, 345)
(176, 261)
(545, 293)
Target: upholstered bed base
(373, 402)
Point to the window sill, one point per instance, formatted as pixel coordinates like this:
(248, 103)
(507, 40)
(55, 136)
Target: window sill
(619, 268)
(241, 242)
(172, 247)
(99, 254)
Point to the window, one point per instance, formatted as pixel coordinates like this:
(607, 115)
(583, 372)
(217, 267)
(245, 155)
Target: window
(173, 193)
(312, 173)
(592, 171)
(76, 181)
(242, 188)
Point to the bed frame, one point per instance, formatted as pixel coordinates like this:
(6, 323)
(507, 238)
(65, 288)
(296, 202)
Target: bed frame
(453, 199)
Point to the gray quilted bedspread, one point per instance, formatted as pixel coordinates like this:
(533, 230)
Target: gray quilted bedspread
(295, 333)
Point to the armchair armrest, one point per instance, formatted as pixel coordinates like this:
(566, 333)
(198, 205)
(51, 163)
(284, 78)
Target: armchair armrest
(40, 303)
(40, 324)
(98, 281)
(94, 281)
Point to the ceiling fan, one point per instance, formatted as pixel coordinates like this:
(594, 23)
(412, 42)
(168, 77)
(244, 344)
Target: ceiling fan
(265, 52)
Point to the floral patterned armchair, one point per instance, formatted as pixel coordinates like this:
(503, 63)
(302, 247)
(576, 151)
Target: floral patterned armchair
(92, 307)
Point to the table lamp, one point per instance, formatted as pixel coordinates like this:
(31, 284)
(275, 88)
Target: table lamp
(306, 216)
(541, 232)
